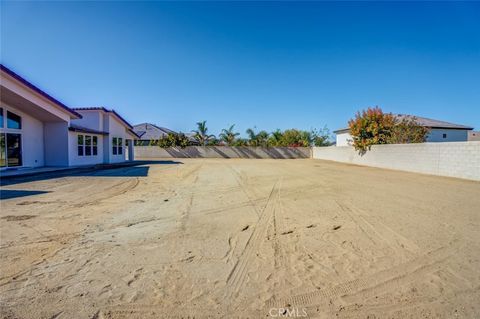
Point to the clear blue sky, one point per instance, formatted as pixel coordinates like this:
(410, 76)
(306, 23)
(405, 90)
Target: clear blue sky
(269, 65)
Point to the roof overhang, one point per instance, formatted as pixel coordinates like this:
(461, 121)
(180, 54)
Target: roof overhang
(21, 94)
(81, 129)
(342, 130)
(133, 134)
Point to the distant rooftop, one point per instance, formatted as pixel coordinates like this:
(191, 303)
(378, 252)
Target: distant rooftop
(149, 131)
(423, 121)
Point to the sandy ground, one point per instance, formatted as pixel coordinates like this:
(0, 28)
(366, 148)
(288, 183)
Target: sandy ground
(241, 238)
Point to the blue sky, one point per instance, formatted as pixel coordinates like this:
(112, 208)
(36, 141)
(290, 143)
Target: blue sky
(270, 65)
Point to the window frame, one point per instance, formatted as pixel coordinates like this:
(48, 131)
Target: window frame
(120, 146)
(80, 146)
(7, 120)
(114, 146)
(88, 145)
(94, 145)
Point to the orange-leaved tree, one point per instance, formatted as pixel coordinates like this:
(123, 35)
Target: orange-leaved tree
(370, 127)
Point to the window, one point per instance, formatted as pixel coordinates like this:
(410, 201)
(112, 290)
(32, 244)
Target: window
(14, 149)
(444, 135)
(3, 151)
(1, 116)
(80, 145)
(13, 121)
(94, 145)
(88, 145)
(117, 146)
(10, 149)
(114, 146)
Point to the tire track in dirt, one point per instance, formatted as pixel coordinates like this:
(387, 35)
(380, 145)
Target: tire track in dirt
(378, 283)
(384, 239)
(148, 311)
(110, 192)
(236, 277)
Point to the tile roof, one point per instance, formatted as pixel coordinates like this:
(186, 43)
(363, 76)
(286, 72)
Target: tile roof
(423, 121)
(148, 131)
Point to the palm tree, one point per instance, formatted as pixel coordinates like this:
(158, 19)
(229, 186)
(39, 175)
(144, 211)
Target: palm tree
(276, 138)
(262, 138)
(257, 139)
(201, 133)
(228, 136)
(252, 137)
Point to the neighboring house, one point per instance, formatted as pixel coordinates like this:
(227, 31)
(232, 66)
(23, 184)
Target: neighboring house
(440, 131)
(38, 130)
(148, 132)
(474, 136)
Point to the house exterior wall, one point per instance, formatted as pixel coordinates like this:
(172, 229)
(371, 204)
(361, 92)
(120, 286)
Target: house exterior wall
(436, 135)
(35, 98)
(343, 139)
(106, 122)
(32, 141)
(90, 119)
(56, 143)
(116, 129)
(76, 159)
(474, 136)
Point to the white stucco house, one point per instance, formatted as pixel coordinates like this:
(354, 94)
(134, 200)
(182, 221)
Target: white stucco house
(38, 130)
(439, 131)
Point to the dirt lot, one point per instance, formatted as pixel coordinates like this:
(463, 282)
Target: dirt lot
(241, 238)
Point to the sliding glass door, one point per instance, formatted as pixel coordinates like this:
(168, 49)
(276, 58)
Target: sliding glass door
(10, 149)
(3, 151)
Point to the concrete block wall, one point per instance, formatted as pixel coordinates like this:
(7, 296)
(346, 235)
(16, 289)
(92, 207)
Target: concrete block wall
(454, 159)
(147, 152)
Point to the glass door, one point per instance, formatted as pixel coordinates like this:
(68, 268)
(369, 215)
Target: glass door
(10, 149)
(3, 150)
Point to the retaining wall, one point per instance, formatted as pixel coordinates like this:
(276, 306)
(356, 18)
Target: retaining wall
(455, 159)
(146, 152)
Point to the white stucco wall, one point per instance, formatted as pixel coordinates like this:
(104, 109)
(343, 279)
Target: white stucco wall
(454, 159)
(116, 129)
(56, 143)
(92, 119)
(75, 159)
(343, 139)
(32, 137)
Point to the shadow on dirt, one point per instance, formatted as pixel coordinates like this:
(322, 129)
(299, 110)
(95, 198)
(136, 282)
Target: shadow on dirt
(129, 169)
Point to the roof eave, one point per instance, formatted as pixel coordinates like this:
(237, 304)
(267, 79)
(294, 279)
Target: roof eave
(40, 92)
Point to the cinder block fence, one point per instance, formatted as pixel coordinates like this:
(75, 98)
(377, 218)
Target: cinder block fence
(454, 159)
(145, 152)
